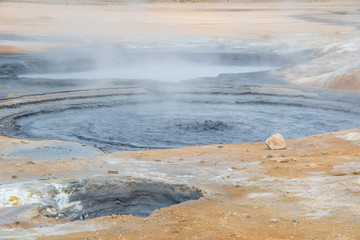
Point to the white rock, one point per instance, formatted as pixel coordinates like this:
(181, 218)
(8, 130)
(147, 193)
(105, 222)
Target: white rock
(276, 142)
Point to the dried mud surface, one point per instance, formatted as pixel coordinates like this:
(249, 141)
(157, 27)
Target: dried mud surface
(308, 191)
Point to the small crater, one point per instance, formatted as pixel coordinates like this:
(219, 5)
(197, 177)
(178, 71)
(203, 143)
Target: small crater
(92, 198)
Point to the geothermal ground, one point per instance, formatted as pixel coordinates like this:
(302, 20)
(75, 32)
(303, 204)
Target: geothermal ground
(148, 121)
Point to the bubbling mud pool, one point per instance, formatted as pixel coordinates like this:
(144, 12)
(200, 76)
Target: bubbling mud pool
(246, 103)
(166, 124)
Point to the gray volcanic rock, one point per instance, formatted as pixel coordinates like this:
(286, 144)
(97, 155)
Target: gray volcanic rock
(276, 142)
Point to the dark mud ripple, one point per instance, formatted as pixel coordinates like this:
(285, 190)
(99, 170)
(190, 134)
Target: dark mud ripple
(134, 114)
(152, 121)
(207, 125)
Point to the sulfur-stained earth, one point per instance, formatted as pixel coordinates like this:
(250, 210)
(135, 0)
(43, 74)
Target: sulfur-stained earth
(308, 191)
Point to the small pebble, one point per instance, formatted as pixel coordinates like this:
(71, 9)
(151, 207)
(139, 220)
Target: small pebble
(269, 156)
(14, 177)
(284, 161)
(220, 146)
(113, 172)
(157, 160)
(283, 155)
(248, 216)
(324, 153)
(84, 144)
(274, 220)
(294, 221)
(357, 172)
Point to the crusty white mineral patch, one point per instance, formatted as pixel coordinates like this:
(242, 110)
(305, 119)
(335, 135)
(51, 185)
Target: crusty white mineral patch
(350, 135)
(353, 136)
(52, 197)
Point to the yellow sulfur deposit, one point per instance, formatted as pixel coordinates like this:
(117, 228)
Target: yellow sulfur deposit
(13, 198)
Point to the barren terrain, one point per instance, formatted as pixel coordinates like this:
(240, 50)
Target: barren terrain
(310, 190)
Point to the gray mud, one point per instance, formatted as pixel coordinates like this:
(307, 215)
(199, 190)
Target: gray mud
(135, 114)
(83, 198)
(116, 197)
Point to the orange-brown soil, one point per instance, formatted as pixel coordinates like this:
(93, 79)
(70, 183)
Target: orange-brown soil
(307, 191)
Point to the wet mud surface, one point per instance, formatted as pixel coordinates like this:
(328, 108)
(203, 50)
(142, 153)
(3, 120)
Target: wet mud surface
(106, 197)
(136, 114)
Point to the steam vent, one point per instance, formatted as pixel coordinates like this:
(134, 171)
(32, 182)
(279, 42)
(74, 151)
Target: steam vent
(179, 119)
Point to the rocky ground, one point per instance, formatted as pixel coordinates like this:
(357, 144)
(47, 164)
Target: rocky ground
(307, 191)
